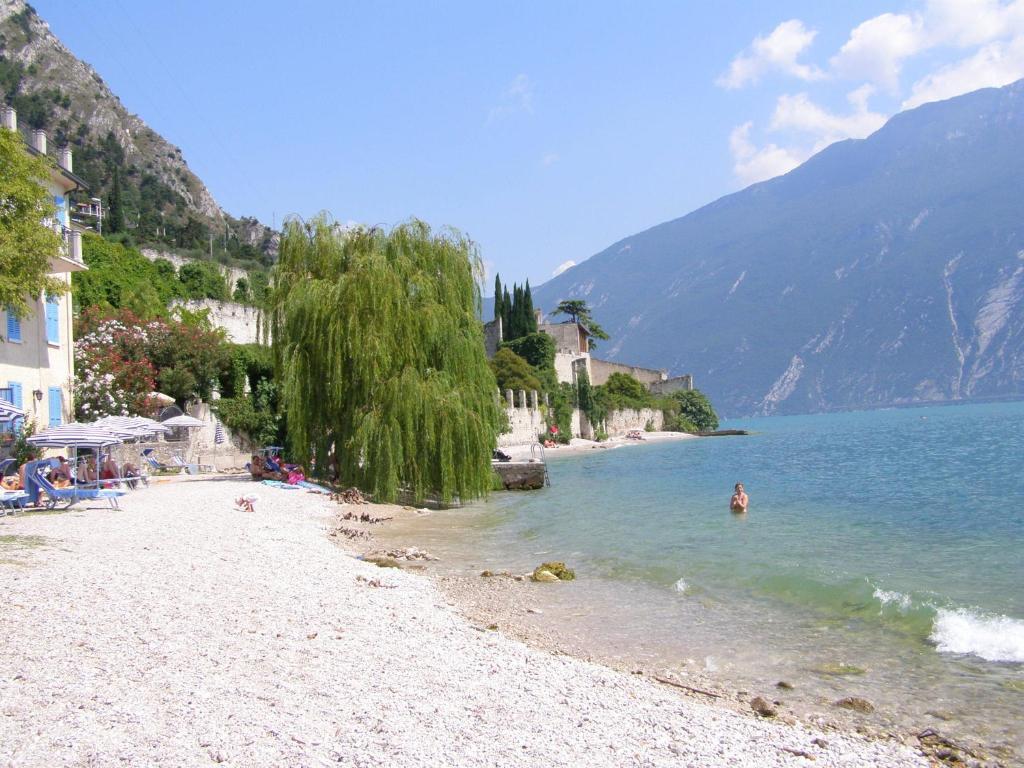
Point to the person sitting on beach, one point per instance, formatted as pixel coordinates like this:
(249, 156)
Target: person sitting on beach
(60, 475)
(739, 500)
(132, 474)
(87, 471)
(296, 475)
(109, 470)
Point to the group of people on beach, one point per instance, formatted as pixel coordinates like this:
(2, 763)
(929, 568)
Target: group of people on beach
(63, 475)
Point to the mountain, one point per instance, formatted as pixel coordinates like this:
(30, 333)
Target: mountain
(882, 271)
(163, 203)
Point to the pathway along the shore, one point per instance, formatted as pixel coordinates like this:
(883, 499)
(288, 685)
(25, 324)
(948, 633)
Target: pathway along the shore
(179, 631)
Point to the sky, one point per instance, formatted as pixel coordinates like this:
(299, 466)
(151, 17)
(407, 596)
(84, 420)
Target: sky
(546, 131)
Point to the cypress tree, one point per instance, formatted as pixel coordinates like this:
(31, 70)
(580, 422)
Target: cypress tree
(379, 355)
(530, 315)
(497, 296)
(506, 312)
(115, 206)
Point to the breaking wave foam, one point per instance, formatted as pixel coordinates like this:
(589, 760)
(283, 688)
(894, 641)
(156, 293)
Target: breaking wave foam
(681, 586)
(993, 638)
(885, 597)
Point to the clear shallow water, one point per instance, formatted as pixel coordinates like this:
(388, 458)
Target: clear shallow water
(887, 541)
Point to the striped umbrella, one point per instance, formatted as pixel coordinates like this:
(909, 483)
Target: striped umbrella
(10, 412)
(218, 433)
(138, 426)
(75, 435)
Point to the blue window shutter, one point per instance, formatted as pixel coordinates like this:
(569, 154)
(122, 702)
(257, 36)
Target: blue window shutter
(53, 320)
(13, 326)
(16, 400)
(56, 406)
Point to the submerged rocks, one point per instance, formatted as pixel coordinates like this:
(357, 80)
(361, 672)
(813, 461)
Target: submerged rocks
(553, 571)
(783, 685)
(856, 704)
(839, 670)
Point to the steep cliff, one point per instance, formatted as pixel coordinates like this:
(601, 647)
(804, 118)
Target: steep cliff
(162, 202)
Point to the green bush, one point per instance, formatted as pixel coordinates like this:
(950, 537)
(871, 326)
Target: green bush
(513, 372)
(538, 349)
(695, 408)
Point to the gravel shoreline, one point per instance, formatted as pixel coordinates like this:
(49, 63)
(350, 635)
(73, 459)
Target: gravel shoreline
(180, 631)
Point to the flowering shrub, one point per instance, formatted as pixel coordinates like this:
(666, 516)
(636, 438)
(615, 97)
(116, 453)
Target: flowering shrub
(119, 359)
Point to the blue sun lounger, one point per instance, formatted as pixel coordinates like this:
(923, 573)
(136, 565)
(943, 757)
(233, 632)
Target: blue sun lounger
(68, 497)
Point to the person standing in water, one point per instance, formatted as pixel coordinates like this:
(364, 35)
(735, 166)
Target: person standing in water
(739, 500)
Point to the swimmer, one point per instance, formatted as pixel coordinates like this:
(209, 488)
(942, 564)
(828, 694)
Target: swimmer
(738, 502)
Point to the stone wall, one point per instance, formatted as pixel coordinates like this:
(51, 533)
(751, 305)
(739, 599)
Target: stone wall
(492, 337)
(525, 419)
(682, 383)
(241, 322)
(619, 423)
(230, 273)
(600, 370)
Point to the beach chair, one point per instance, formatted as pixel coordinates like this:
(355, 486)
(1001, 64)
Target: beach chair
(5, 465)
(192, 469)
(73, 494)
(152, 463)
(11, 501)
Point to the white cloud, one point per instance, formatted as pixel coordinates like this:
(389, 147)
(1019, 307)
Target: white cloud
(799, 113)
(562, 267)
(549, 158)
(752, 164)
(876, 49)
(994, 65)
(973, 22)
(517, 97)
(778, 51)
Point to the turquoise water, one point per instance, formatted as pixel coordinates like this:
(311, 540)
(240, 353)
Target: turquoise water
(887, 541)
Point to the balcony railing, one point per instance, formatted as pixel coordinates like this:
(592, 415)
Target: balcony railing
(72, 244)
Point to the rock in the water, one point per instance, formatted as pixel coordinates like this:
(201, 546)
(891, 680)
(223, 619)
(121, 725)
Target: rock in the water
(839, 670)
(486, 573)
(559, 570)
(762, 707)
(784, 685)
(544, 575)
(857, 704)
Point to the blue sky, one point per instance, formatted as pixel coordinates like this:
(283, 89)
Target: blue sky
(545, 131)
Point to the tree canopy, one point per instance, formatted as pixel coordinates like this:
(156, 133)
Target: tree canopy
(515, 310)
(695, 407)
(513, 372)
(26, 243)
(380, 357)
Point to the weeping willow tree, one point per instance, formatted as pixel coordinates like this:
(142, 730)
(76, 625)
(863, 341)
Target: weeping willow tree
(380, 357)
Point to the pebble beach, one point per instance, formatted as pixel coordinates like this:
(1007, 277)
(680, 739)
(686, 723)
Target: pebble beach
(180, 630)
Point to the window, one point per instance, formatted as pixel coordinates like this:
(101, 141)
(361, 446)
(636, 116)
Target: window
(56, 406)
(15, 388)
(53, 320)
(13, 327)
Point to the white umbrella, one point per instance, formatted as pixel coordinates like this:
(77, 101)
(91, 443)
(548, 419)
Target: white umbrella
(75, 435)
(137, 426)
(189, 422)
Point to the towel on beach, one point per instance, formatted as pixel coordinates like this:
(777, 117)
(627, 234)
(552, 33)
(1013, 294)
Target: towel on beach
(279, 484)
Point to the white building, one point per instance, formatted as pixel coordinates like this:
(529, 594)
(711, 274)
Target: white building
(37, 350)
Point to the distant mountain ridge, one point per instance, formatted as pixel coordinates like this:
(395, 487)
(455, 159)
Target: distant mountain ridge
(164, 202)
(887, 270)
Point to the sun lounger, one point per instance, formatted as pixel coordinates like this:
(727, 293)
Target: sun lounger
(73, 494)
(12, 500)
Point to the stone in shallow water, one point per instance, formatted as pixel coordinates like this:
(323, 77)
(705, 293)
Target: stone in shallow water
(839, 670)
(557, 569)
(856, 704)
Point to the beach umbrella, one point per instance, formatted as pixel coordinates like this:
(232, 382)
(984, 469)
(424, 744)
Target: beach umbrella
(76, 435)
(137, 426)
(189, 422)
(10, 412)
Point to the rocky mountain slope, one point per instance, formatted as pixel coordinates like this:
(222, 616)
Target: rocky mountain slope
(882, 271)
(163, 202)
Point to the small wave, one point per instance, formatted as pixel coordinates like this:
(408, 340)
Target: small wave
(885, 597)
(681, 586)
(993, 638)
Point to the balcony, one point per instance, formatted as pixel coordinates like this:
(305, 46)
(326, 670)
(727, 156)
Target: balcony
(70, 259)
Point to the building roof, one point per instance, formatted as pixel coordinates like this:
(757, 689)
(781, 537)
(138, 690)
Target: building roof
(78, 182)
